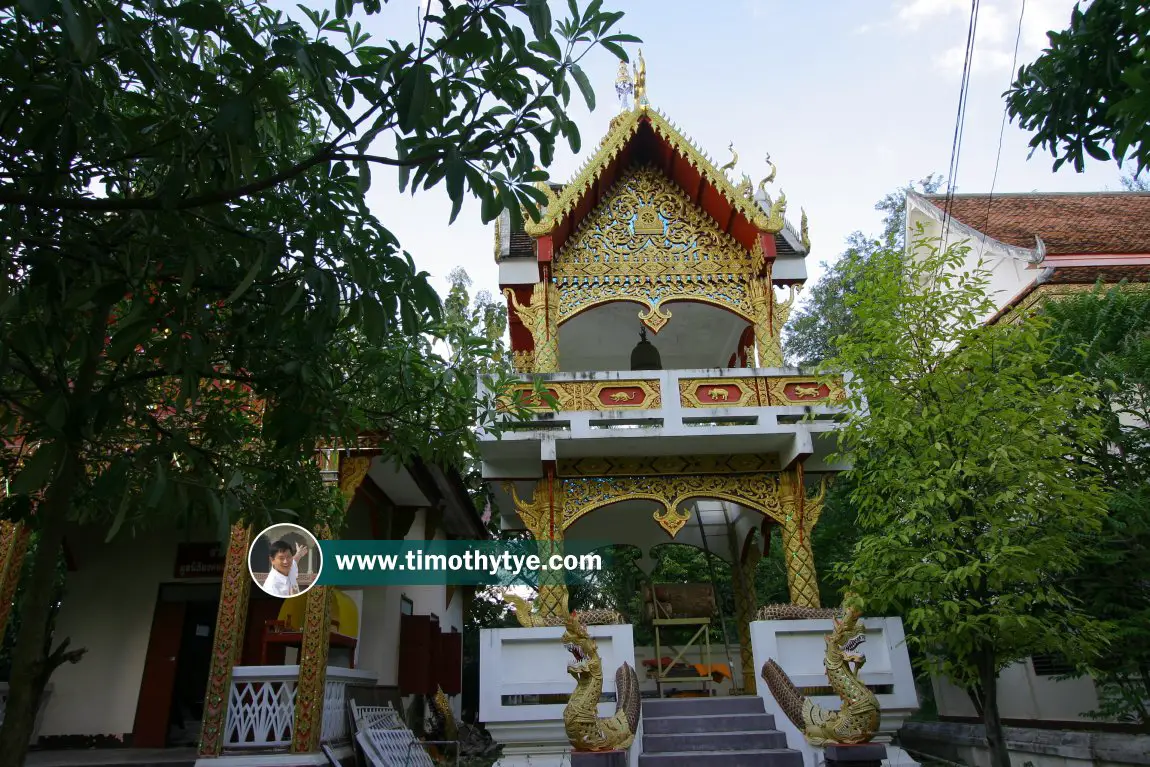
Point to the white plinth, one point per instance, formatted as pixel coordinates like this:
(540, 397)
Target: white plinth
(799, 647)
(516, 665)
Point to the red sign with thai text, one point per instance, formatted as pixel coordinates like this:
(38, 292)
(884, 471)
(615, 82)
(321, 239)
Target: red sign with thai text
(200, 560)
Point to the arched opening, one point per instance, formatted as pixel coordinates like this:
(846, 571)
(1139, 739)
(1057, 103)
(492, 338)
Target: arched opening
(698, 335)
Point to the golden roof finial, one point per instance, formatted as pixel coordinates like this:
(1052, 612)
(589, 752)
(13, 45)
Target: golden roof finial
(770, 177)
(804, 233)
(641, 82)
(734, 158)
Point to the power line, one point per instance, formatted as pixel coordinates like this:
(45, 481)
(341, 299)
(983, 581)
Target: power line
(1002, 128)
(960, 119)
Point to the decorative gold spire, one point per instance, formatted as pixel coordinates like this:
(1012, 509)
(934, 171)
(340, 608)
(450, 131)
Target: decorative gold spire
(770, 176)
(734, 159)
(804, 235)
(641, 82)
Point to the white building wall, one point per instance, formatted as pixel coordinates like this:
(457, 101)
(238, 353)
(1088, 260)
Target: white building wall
(1024, 695)
(1010, 272)
(107, 608)
(380, 616)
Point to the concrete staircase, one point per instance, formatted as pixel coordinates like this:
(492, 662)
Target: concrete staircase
(715, 732)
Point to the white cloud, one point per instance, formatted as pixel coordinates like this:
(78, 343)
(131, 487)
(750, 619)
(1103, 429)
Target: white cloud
(996, 34)
(912, 14)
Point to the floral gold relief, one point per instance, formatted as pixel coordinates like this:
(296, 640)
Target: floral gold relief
(754, 491)
(592, 395)
(649, 244)
(228, 639)
(14, 540)
(671, 520)
(539, 317)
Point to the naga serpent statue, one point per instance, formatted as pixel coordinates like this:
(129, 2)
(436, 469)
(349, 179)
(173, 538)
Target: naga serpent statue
(858, 719)
(529, 618)
(586, 730)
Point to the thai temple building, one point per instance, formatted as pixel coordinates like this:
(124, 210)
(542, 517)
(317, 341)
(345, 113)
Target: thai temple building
(646, 306)
(195, 664)
(1037, 247)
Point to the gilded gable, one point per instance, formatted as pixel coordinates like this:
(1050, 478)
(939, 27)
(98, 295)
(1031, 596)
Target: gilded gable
(647, 242)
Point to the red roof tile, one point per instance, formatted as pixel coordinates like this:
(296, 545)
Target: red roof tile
(1095, 223)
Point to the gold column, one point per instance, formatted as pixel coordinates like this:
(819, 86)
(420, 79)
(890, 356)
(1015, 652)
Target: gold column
(540, 317)
(770, 317)
(745, 604)
(307, 726)
(228, 641)
(543, 517)
(800, 514)
(14, 538)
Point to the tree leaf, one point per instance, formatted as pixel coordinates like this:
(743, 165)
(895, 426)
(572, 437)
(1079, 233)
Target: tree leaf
(39, 469)
(584, 86)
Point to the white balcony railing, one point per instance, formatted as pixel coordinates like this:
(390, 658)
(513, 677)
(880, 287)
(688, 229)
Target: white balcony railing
(706, 411)
(261, 706)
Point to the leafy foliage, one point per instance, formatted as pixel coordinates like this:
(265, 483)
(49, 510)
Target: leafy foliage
(1105, 336)
(1135, 183)
(1089, 91)
(194, 290)
(968, 472)
(810, 334)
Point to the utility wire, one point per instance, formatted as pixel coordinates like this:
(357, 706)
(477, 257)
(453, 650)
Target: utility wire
(1002, 129)
(960, 119)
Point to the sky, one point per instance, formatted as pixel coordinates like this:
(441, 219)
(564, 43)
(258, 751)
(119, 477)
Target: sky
(851, 99)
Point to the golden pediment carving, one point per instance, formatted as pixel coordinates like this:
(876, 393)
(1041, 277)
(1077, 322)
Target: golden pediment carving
(648, 243)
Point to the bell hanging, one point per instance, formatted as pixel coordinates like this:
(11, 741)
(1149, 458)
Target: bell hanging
(645, 356)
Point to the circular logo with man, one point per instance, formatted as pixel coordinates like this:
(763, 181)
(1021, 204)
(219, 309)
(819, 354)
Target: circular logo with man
(285, 560)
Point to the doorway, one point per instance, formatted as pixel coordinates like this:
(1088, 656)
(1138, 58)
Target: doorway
(170, 708)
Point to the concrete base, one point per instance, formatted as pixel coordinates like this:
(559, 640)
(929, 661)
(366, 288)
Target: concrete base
(598, 759)
(799, 647)
(862, 755)
(521, 668)
(345, 754)
(952, 741)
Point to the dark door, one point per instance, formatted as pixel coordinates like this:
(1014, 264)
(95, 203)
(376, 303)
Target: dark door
(153, 708)
(192, 671)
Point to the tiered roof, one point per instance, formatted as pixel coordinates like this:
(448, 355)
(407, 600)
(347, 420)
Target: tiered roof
(1068, 224)
(645, 136)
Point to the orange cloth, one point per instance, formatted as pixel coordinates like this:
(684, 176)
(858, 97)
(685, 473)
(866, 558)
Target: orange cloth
(718, 670)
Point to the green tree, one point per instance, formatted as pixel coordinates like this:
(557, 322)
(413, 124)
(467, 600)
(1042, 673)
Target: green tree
(1089, 91)
(810, 334)
(967, 473)
(194, 291)
(1135, 183)
(1105, 336)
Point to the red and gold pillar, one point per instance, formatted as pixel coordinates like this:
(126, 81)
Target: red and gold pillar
(544, 519)
(800, 514)
(14, 538)
(746, 602)
(228, 642)
(307, 726)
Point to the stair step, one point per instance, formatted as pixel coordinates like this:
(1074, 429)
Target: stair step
(735, 704)
(713, 741)
(763, 757)
(664, 725)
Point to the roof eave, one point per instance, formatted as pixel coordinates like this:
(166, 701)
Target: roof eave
(1032, 256)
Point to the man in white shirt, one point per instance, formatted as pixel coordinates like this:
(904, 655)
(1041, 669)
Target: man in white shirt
(283, 575)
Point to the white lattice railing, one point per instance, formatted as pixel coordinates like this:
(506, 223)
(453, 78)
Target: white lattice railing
(261, 706)
(336, 728)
